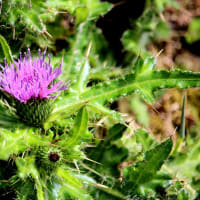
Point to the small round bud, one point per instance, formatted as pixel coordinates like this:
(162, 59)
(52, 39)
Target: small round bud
(49, 157)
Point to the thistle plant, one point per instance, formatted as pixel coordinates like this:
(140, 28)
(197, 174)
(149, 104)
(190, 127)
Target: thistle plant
(52, 141)
(31, 83)
(42, 158)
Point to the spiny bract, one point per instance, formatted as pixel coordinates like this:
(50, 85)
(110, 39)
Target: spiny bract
(49, 157)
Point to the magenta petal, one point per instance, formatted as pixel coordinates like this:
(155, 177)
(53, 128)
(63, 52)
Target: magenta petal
(31, 78)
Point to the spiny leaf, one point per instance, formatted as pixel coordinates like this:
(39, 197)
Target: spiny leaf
(26, 166)
(144, 171)
(144, 85)
(149, 82)
(144, 139)
(108, 153)
(142, 66)
(81, 14)
(112, 192)
(8, 118)
(32, 19)
(75, 57)
(18, 141)
(96, 7)
(98, 108)
(73, 107)
(82, 8)
(25, 188)
(90, 181)
(69, 5)
(114, 133)
(83, 76)
(71, 185)
(6, 50)
(79, 130)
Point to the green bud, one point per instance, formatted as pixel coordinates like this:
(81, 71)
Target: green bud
(49, 157)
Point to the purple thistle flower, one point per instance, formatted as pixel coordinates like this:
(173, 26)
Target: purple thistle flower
(29, 78)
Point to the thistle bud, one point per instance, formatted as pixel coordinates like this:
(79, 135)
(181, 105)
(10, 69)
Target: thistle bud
(49, 158)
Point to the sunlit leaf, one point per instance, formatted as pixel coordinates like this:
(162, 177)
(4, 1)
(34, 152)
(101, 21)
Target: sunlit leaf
(18, 141)
(143, 171)
(6, 50)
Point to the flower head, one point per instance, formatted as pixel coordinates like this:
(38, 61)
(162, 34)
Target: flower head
(50, 157)
(29, 78)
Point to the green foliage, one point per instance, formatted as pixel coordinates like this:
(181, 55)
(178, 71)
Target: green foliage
(150, 26)
(108, 153)
(28, 22)
(144, 139)
(143, 171)
(8, 117)
(79, 131)
(72, 186)
(6, 49)
(96, 154)
(18, 141)
(193, 31)
(26, 167)
(185, 166)
(140, 110)
(144, 81)
(160, 5)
